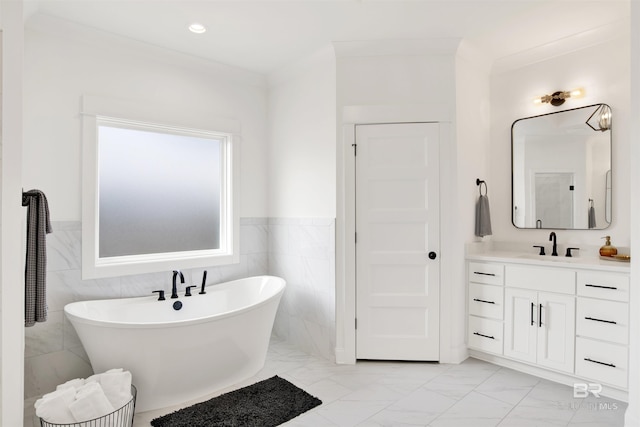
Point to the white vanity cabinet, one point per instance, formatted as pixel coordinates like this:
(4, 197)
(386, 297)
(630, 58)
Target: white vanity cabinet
(486, 306)
(559, 319)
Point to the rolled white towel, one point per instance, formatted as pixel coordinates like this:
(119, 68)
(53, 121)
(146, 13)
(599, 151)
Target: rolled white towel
(88, 387)
(68, 395)
(75, 383)
(117, 387)
(54, 408)
(96, 377)
(90, 403)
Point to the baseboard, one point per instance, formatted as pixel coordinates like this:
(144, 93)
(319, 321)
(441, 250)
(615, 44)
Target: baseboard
(558, 377)
(455, 355)
(631, 420)
(342, 358)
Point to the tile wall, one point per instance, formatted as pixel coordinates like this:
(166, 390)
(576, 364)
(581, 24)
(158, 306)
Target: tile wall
(301, 251)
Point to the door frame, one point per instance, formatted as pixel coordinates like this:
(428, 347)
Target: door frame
(345, 351)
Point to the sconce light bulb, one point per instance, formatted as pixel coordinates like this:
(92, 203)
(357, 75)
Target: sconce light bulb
(576, 93)
(197, 28)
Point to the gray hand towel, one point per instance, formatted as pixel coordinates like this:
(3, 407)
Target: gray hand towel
(483, 217)
(38, 225)
(592, 217)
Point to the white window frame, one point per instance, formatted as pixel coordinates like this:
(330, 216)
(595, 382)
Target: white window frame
(95, 267)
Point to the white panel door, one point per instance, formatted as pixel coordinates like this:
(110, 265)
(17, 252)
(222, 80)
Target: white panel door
(397, 245)
(556, 331)
(521, 324)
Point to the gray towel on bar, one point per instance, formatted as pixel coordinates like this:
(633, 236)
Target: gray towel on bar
(483, 217)
(35, 275)
(592, 217)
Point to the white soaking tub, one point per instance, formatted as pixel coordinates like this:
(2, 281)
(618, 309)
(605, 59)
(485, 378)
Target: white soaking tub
(215, 340)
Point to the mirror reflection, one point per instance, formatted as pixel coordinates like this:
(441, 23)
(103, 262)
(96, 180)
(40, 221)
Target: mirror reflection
(561, 169)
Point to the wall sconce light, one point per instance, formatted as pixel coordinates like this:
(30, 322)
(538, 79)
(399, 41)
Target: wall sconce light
(558, 98)
(601, 118)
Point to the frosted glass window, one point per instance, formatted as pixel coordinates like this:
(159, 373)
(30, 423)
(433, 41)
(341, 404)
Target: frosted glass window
(157, 197)
(159, 192)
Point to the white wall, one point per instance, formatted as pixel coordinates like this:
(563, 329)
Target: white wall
(414, 72)
(11, 219)
(632, 416)
(603, 71)
(472, 94)
(63, 62)
(302, 129)
(302, 199)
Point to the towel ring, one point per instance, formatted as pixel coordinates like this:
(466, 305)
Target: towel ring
(479, 183)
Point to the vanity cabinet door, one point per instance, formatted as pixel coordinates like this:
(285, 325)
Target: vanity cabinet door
(520, 328)
(540, 328)
(556, 331)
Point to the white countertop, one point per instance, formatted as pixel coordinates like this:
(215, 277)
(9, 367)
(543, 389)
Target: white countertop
(592, 263)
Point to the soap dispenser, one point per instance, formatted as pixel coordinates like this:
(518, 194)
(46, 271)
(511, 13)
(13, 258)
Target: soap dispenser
(607, 249)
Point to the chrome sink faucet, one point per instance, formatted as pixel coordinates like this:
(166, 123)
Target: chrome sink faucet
(552, 237)
(174, 288)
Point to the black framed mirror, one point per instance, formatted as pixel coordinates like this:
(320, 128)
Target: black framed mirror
(561, 169)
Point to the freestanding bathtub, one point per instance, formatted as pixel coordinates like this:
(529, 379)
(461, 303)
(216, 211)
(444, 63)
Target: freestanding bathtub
(215, 340)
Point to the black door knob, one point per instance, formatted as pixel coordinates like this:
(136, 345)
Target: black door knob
(432, 255)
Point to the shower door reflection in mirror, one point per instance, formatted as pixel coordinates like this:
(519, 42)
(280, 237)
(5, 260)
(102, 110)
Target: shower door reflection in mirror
(554, 200)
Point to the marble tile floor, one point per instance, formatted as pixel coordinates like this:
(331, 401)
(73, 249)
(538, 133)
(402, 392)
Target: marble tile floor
(472, 394)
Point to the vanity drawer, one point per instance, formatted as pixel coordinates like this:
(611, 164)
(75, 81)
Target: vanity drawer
(603, 362)
(603, 320)
(485, 334)
(603, 285)
(486, 300)
(489, 273)
(557, 280)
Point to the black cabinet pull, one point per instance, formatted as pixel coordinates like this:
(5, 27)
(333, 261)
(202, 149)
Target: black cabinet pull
(540, 316)
(600, 286)
(483, 274)
(482, 335)
(599, 363)
(532, 321)
(600, 320)
(481, 300)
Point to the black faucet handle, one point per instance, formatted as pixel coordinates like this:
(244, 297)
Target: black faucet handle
(160, 295)
(568, 254)
(204, 283)
(187, 292)
(541, 249)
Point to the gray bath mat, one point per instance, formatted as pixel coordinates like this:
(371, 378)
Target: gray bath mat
(264, 404)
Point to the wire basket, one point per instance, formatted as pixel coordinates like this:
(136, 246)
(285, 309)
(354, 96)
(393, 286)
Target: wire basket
(122, 417)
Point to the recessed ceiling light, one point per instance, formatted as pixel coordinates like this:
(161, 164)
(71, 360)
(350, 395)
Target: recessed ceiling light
(197, 28)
